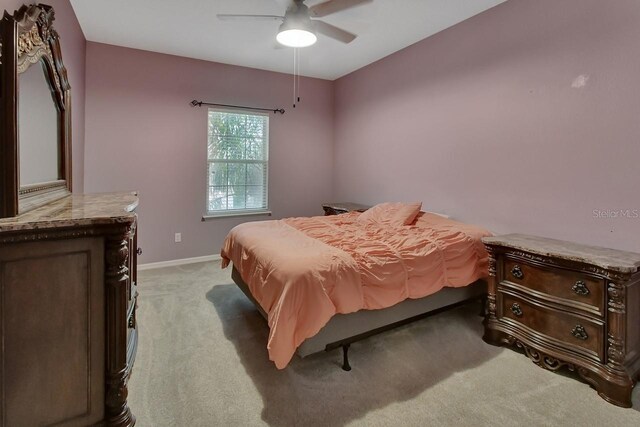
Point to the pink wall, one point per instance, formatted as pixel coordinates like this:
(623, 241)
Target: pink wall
(488, 121)
(73, 54)
(143, 135)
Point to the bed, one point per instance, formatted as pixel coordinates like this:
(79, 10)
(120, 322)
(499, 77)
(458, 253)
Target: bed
(324, 282)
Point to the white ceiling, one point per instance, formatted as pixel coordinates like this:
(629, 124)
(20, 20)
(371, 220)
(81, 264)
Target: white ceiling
(190, 28)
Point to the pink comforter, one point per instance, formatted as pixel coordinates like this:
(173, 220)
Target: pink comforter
(302, 271)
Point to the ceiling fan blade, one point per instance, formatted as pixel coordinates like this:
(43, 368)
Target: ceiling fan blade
(227, 17)
(333, 6)
(333, 31)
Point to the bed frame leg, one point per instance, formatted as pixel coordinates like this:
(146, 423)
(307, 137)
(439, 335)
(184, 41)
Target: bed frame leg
(345, 357)
(483, 306)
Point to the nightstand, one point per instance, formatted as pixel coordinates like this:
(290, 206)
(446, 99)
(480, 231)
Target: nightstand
(343, 207)
(567, 305)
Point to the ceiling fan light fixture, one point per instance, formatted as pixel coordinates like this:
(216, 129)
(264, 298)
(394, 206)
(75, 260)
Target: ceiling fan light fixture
(298, 29)
(296, 37)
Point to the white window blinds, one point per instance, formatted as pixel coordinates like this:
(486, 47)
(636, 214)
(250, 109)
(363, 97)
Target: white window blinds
(238, 162)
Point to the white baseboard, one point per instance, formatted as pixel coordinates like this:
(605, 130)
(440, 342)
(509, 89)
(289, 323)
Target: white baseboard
(174, 262)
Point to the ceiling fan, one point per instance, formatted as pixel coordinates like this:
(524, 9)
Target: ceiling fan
(298, 28)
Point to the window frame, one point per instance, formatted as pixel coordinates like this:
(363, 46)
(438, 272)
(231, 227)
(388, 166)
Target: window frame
(238, 212)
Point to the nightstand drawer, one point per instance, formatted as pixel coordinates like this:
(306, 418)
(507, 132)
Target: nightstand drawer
(565, 284)
(573, 331)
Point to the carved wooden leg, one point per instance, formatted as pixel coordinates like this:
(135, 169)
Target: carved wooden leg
(618, 385)
(616, 391)
(493, 336)
(116, 261)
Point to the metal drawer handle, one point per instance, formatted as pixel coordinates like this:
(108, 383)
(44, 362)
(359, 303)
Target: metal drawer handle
(516, 309)
(579, 332)
(517, 272)
(580, 288)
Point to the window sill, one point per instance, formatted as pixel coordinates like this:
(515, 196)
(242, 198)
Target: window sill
(208, 217)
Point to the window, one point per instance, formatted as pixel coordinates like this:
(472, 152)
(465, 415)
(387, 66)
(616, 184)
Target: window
(238, 163)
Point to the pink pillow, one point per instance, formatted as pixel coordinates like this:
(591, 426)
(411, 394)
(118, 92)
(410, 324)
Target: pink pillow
(394, 214)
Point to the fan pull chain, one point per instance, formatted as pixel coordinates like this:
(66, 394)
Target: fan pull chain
(296, 76)
(295, 65)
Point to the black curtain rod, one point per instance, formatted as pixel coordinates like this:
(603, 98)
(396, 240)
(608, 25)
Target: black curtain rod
(196, 103)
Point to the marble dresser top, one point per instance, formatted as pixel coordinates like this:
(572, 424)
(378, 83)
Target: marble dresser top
(609, 259)
(76, 210)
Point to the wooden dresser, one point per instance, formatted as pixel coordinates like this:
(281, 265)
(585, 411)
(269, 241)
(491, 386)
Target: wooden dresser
(568, 305)
(338, 208)
(68, 301)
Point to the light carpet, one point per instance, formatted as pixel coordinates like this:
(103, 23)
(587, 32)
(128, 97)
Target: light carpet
(202, 361)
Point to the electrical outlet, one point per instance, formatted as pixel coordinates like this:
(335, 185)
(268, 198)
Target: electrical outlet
(178, 237)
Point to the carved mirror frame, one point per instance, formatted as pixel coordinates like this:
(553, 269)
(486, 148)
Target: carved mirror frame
(26, 39)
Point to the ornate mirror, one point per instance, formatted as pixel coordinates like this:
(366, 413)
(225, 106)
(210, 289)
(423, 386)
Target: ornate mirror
(35, 151)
